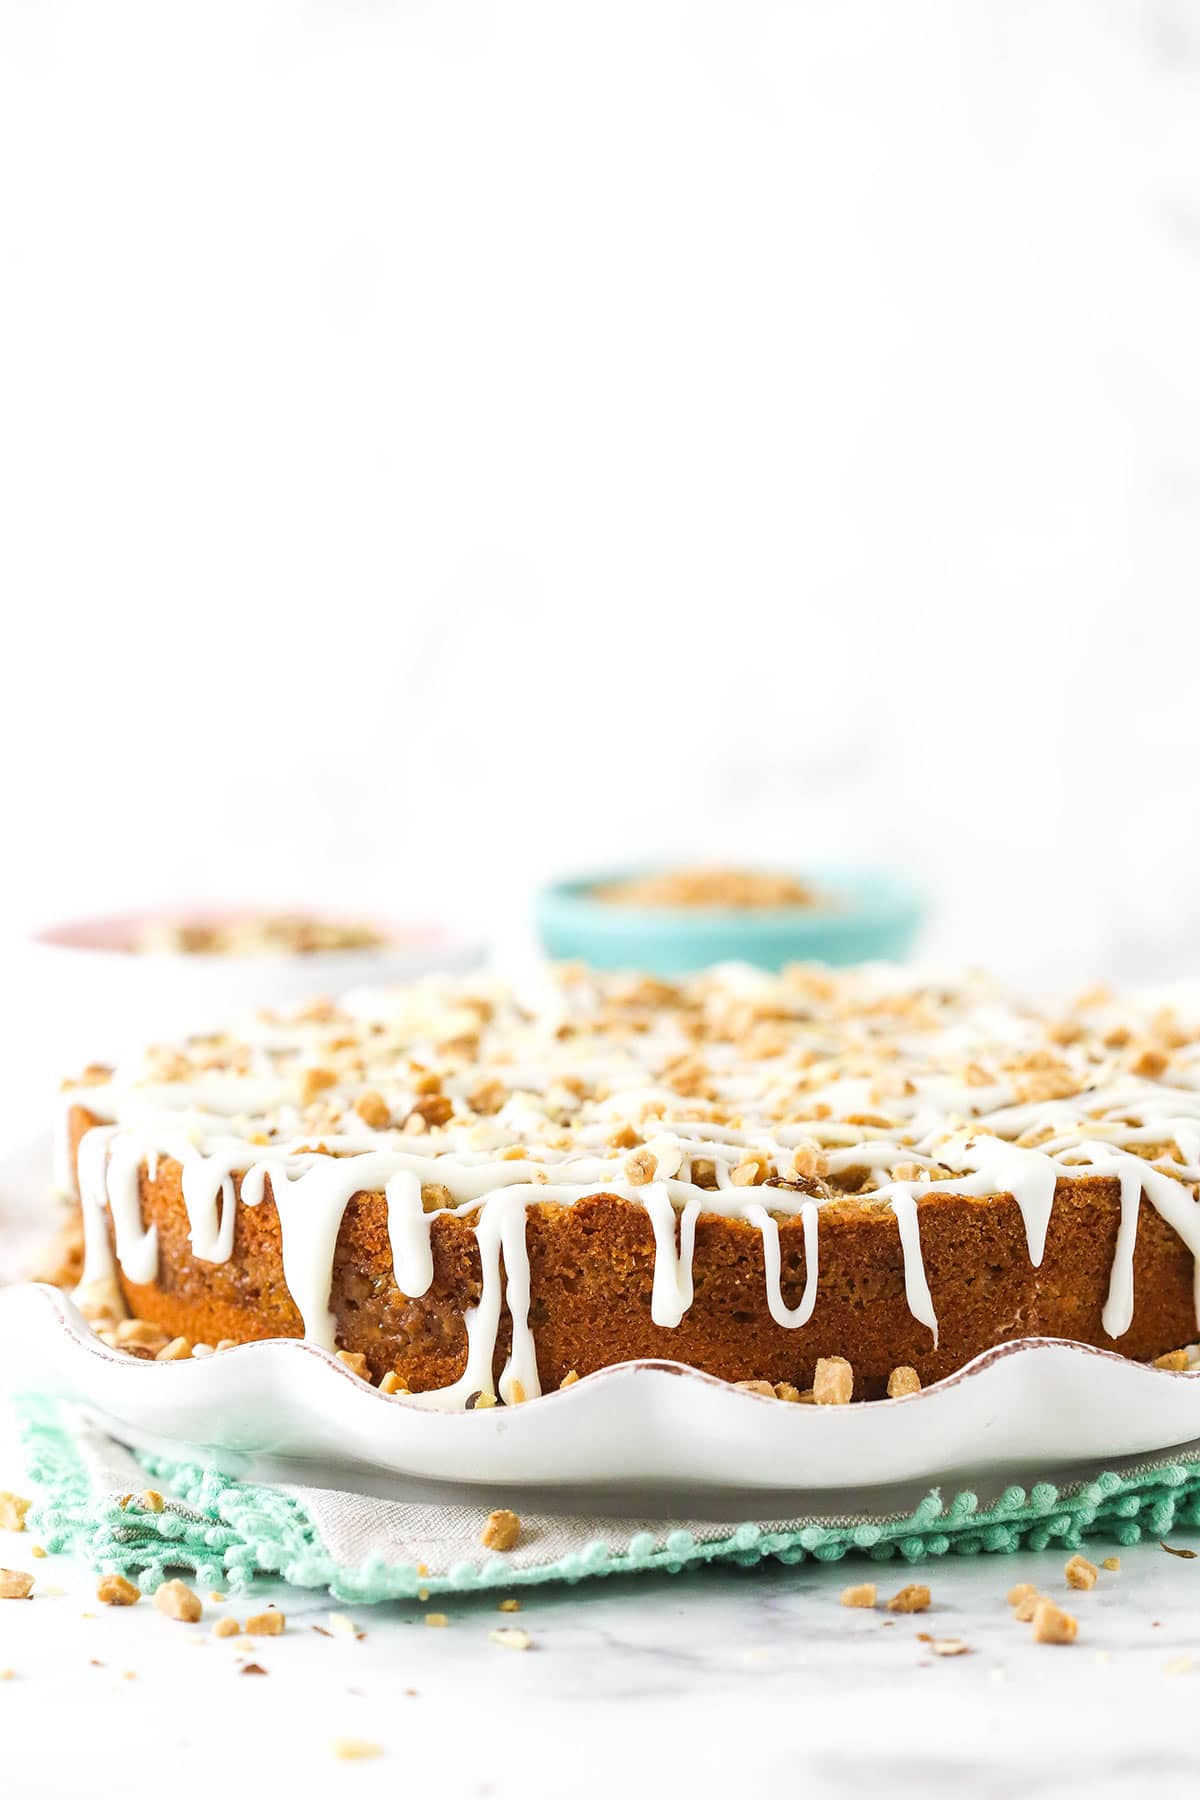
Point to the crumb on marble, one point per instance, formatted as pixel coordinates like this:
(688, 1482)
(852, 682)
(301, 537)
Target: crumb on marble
(1051, 1625)
(911, 1599)
(1081, 1573)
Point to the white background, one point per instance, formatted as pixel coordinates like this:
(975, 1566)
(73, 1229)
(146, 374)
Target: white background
(444, 444)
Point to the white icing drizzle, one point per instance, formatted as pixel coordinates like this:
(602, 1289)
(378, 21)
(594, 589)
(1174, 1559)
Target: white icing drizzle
(791, 1318)
(916, 1288)
(888, 1094)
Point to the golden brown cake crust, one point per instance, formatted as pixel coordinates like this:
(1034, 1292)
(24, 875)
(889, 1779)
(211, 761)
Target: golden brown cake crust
(592, 1266)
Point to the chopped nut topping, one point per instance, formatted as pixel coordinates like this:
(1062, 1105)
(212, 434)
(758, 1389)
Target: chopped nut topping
(178, 1601)
(1111, 1563)
(265, 1624)
(1024, 1590)
(393, 1384)
(436, 1619)
(178, 1350)
(948, 1647)
(15, 1584)
(864, 1594)
(641, 1167)
(1177, 1360)
(226, 1627)
(741, 889)
(355, 1749)
(510, 1606)
(502, 1530)
(1051, 1625)
(114, 1590)
(911, 1599)
(314, 1082)
(833, 1381)
(356, 1361)
(903, 1380)
(1025, 1608)
(152, 1501)
(1081, 1573)
(512, 1637)
(373, 1109)
(13, 1508)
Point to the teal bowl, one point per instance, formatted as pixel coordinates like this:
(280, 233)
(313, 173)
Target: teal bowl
(872, 916)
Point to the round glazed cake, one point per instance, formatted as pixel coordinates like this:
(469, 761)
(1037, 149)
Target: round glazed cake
(476, 1192)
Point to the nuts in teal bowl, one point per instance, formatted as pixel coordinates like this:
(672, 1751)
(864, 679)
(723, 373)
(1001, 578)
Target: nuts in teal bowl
(848, 915)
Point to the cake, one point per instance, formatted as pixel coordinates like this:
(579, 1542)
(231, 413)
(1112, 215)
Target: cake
(476, 1192)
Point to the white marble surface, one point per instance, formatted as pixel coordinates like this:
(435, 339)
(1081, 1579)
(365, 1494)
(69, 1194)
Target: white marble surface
(734, 1682)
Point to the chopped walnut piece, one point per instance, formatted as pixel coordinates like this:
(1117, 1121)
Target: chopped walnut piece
(1177, 1360)
(1081, 1573)
(489, 1097)
(15, 1584)
(509, 1606)
(911, 1599)
(435, 1196)
(13, 1508)
(178, 1601)
(1051, 1625)
(752, 1171)
(227, 1627)
(265, 1624)
(502, 1530)
(1024, 1609)
(435, 1109)
(569, 1379)
(641, 1167)
(178, 1350)
(373, 1110)
(1024, 1590)
(393, 1384)
(1149, 1061)
(314, 1082)
(833, 1381)
(864, 1594)
(139, 1334)
(1111, 1563)
(903, 1380)
(786, 1390)
(756, 1387)
(437, 1619)
(152, 1501)
(356, 1362)
(810, 1162)
(114, 1590)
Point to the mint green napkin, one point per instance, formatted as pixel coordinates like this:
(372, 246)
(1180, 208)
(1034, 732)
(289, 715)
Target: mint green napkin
(361, 1547)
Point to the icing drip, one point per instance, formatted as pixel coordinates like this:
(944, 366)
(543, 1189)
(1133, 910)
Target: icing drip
(409, 1235)
(916, 1288)
(790, 1317)
(672, 1291)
